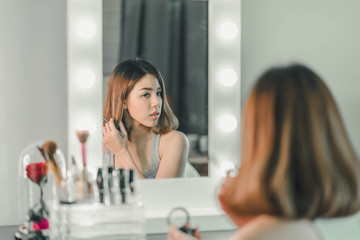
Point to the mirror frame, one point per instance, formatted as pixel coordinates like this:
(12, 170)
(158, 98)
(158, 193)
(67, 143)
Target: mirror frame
(198, 195)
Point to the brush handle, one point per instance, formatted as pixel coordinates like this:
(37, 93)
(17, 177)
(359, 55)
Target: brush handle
(117, 128)
(83, 153)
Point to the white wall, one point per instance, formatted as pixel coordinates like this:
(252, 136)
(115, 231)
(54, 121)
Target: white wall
(325, 35)
(33, 97)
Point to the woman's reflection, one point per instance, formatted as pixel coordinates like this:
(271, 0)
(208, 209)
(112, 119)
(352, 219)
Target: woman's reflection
(136, 99)
(177, 44)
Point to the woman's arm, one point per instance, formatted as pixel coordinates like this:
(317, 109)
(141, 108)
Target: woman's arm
(119, 147)
(173, 152)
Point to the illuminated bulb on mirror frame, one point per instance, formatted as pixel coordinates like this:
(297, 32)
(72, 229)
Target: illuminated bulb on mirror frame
(85, 78)
(228, 30)
(86, 29)
(86, 123)
(227, 123)
(226, 167)
(227, 77)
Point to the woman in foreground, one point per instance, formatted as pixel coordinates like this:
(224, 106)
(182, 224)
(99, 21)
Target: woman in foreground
(297, 162)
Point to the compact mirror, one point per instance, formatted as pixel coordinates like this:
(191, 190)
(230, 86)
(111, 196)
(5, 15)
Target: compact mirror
(180, 218)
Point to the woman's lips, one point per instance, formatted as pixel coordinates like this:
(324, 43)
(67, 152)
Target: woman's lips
(155, 115)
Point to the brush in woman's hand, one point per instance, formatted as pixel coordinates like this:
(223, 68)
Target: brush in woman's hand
(116, 126)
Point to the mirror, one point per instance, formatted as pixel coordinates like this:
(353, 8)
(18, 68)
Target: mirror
(84, 35)
(177, 44)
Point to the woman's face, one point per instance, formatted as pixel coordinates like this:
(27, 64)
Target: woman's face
(144, 101)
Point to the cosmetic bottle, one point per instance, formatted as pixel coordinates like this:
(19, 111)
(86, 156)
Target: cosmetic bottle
(74, 169)
(105, 190)
(104, 177)
(123, 185)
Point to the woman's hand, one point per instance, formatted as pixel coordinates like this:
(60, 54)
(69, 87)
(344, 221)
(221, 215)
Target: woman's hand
(176, 234)
(112, 139)
(119, 147)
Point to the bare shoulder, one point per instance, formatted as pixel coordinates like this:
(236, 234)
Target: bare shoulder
(174, 137)
(173, 141)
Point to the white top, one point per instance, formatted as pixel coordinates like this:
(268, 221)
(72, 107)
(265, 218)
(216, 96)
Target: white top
(271, 228)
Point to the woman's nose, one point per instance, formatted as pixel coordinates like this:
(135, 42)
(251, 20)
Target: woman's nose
(155, 101)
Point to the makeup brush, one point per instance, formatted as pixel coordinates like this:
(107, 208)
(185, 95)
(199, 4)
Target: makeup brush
(43, 153)
(83, 136)
(117, 127)
(50, 149)
(87, 186)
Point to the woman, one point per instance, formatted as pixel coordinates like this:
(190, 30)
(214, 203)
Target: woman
(136, 100)
(297, 162)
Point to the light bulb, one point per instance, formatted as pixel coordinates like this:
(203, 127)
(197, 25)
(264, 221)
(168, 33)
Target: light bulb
(227, 77)
(86, 29)
(85, 78)
(226, 167)
(227, 123)
(228, 30)
(86, 123)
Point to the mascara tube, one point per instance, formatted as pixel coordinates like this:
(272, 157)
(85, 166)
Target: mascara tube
(131, 181)
(122, 185)
(100, 184)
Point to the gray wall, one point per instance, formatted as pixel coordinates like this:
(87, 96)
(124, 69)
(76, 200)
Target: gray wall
(325, 35)
(33, 99)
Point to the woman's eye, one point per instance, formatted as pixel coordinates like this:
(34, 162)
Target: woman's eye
(146, 95)
(159, 94)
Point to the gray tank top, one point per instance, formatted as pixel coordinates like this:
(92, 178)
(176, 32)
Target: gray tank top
(155, 159)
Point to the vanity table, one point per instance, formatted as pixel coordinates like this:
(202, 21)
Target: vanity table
(192, 194)
(7, 232)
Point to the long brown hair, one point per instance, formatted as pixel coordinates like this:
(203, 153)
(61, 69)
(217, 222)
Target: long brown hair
(121, 82)
(297, 160)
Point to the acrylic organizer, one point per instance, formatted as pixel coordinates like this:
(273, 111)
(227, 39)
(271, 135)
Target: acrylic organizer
(50, 209)
(116, 211)
(98, 221)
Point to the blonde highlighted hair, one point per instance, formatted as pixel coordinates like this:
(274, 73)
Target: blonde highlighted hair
(121, 82)
(297, 160)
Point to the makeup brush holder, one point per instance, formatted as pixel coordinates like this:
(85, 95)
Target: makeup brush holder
(38, 193)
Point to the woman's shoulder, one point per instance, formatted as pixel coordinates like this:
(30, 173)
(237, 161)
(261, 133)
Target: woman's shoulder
(269, 228)
(173, 141)
(174, 136)
(254, 228)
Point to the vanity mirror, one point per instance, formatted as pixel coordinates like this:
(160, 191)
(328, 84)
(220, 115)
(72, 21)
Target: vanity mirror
(85, 80)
